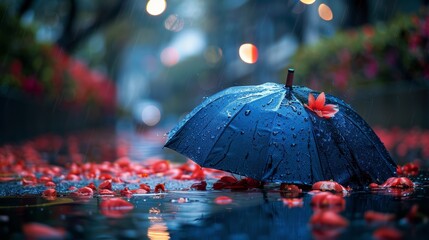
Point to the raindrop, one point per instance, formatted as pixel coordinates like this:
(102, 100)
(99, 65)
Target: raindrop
(247, 112)
(299, 113)
(241, 132)
(293, 144)
(275, 133)
(306, 119)
(212, 137)
(292, 128)
(294, 135)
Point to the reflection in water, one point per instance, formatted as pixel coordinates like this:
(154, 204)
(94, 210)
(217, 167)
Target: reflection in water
(158, 231)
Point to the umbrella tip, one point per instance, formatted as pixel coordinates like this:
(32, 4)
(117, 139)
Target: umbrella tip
(289, 79)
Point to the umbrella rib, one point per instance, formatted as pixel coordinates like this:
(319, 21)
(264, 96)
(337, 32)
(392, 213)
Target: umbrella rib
(269, 140)
(233, 117)
(220, 135)
(369, 139)
(213, 99)
(317, 147)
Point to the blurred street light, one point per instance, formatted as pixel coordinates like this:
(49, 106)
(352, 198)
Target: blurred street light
(248, 53)
(156, 7)
(325, 12)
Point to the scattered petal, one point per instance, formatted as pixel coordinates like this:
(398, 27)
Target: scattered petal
(42, 231)
(115, 207)
(387, 233)
(223, 200)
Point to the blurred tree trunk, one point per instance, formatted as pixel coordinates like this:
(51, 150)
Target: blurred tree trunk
(72, 36)
(358, 13)
(24, 7)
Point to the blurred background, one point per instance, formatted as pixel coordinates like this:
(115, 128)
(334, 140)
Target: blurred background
(67, 65)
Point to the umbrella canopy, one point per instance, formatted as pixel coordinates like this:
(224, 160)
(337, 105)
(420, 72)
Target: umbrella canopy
(282, 133)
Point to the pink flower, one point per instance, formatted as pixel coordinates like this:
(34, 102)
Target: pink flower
(319, 107)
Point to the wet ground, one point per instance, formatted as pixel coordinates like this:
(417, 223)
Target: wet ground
(185, 213)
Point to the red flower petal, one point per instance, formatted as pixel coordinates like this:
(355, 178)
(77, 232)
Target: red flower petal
(42, 231)
(311, 100)
(320, 101)
(223, 200)
(372, 216)
(115, 207)
(319, 108)
(387, 233)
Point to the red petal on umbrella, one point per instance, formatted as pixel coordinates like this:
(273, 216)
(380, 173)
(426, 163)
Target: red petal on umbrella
(387, 233)
(311, 99)
(42, 231)
(320, 101)
(223, 200)
(318, 106)
(115, 207)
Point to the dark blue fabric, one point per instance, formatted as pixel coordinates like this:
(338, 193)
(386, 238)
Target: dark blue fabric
(267, 134)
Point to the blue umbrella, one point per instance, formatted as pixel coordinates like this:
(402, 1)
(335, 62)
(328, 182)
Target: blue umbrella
(282, 133)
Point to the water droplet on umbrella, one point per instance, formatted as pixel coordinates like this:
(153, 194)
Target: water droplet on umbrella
(241, 132)
(292, 128)
(293, 144)
(299, 113)
(275, 133)
(294, 135)
(269, 102)
(212, 137)
(306, 119)
(247, 112)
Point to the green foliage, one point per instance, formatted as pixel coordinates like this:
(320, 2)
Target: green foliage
(371, 55)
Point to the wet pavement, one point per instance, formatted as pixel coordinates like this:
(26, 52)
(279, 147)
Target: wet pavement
(185, 213)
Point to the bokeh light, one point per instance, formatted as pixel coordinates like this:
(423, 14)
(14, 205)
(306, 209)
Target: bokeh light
(156, 7)
(213, 54)
(248, 53)
(151, 115)
(325, 12)
(158, 231)
(308, 2)
(174, 23)
(170, 56)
